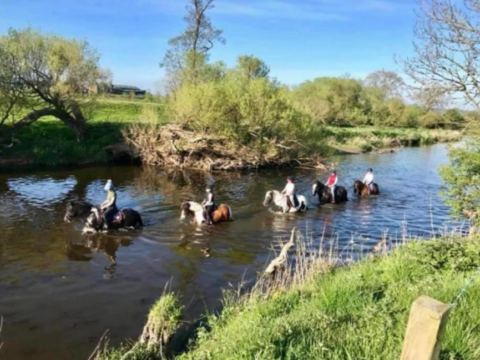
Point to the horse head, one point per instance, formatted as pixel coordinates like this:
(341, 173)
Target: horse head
(77, 209)
(317, 188)
(185, 210)
(268, 198)
(357, 185)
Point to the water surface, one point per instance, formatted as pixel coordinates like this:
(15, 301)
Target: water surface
(60, 290)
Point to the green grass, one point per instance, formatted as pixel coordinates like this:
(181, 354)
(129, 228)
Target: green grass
(357, 312)
(366, 139)
(347, 312)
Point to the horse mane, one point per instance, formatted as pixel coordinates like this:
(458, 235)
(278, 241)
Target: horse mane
(195, 206)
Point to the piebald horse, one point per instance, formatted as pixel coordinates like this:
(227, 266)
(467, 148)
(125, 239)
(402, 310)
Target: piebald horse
(360, 189)
(325, 194)
(222, 213)
(280, 200)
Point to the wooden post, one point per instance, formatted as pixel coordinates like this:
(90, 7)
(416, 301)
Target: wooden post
(426, 325)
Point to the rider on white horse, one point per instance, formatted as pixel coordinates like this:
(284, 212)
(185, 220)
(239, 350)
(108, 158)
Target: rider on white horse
(289, 192)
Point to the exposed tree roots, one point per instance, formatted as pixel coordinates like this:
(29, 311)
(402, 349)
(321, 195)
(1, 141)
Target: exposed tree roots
(174, 146)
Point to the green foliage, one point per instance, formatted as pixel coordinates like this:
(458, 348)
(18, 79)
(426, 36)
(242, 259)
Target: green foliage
(48, 75)
(253, 110)
(252, 67)
(329, 100)
(357, 312)
(462, 178)
(453, 119)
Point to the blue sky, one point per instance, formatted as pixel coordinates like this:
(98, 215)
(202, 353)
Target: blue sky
(299, 39)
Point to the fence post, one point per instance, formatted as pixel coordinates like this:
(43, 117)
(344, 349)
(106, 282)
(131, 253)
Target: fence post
(426, 325)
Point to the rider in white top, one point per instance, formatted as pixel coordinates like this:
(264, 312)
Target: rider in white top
(368, 179)
(209, 205)
(289, 191)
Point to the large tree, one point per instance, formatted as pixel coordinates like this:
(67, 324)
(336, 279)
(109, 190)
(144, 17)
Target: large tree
(44, 75)
(188, 53)
(447, 49)
(389, 83)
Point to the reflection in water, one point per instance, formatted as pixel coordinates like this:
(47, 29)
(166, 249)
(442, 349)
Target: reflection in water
(84, 285)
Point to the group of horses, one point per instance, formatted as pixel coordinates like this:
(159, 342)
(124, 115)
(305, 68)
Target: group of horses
(129, 218)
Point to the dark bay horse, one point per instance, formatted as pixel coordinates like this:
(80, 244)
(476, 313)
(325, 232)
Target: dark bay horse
(125, 218)
(325, 195)
(360, 189)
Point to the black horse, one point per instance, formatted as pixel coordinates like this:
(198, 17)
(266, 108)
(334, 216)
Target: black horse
(325, 195)
(125, 218)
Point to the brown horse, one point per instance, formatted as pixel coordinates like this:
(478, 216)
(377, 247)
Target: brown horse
(360, 189)
(222, 213)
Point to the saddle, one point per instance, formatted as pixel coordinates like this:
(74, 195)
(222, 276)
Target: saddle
(117, 218)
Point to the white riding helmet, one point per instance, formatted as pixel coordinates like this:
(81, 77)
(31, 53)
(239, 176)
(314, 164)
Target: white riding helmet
(109, 185)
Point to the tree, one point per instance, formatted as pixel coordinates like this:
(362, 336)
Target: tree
(44, 75)
(388, 82)
(453, 119)
(432, 98)
(189, 51)
(252, 67)
(447, 48)
(462, 177)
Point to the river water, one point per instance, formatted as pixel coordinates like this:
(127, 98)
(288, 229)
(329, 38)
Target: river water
(60, 290)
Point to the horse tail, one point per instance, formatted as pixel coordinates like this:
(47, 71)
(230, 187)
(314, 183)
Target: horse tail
(230, 213)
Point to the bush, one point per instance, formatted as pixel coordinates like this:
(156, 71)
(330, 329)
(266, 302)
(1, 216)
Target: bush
(462, 177)
(255, 111)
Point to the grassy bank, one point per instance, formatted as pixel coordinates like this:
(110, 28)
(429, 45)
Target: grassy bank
(50, 142)
(348, 312)
(367, 139)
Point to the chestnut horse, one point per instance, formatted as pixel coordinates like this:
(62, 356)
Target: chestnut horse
(221, 213)
(360, 189)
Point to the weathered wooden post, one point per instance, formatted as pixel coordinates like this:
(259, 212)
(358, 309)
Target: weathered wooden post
(426, 325)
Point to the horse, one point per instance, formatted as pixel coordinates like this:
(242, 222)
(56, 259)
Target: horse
(360, 189)
(222, 213)
(125, 218)
(325, 194)
(280, 200)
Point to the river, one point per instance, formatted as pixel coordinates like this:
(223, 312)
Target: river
(60, 290)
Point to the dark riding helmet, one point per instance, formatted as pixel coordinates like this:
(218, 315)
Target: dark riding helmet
(334, 171)
(290, 178)
(370, 170)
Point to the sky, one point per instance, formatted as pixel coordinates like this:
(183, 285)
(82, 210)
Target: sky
(299, 39)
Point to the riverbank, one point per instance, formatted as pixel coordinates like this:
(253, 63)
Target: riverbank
(51, 143)
(359, 311)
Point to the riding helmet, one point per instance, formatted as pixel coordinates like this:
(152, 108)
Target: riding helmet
(109, 185)
(370, 170)
(290, 178)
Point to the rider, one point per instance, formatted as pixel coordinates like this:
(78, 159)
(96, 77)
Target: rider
(289, 192)
(209, 204)
(368, 180)
(109, 206)
(331, 183)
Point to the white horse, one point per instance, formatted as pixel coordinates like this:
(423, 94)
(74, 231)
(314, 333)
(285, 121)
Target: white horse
(197, 212)
(280, 200)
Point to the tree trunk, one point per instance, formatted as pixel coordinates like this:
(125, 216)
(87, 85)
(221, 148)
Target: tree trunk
(7, 133)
